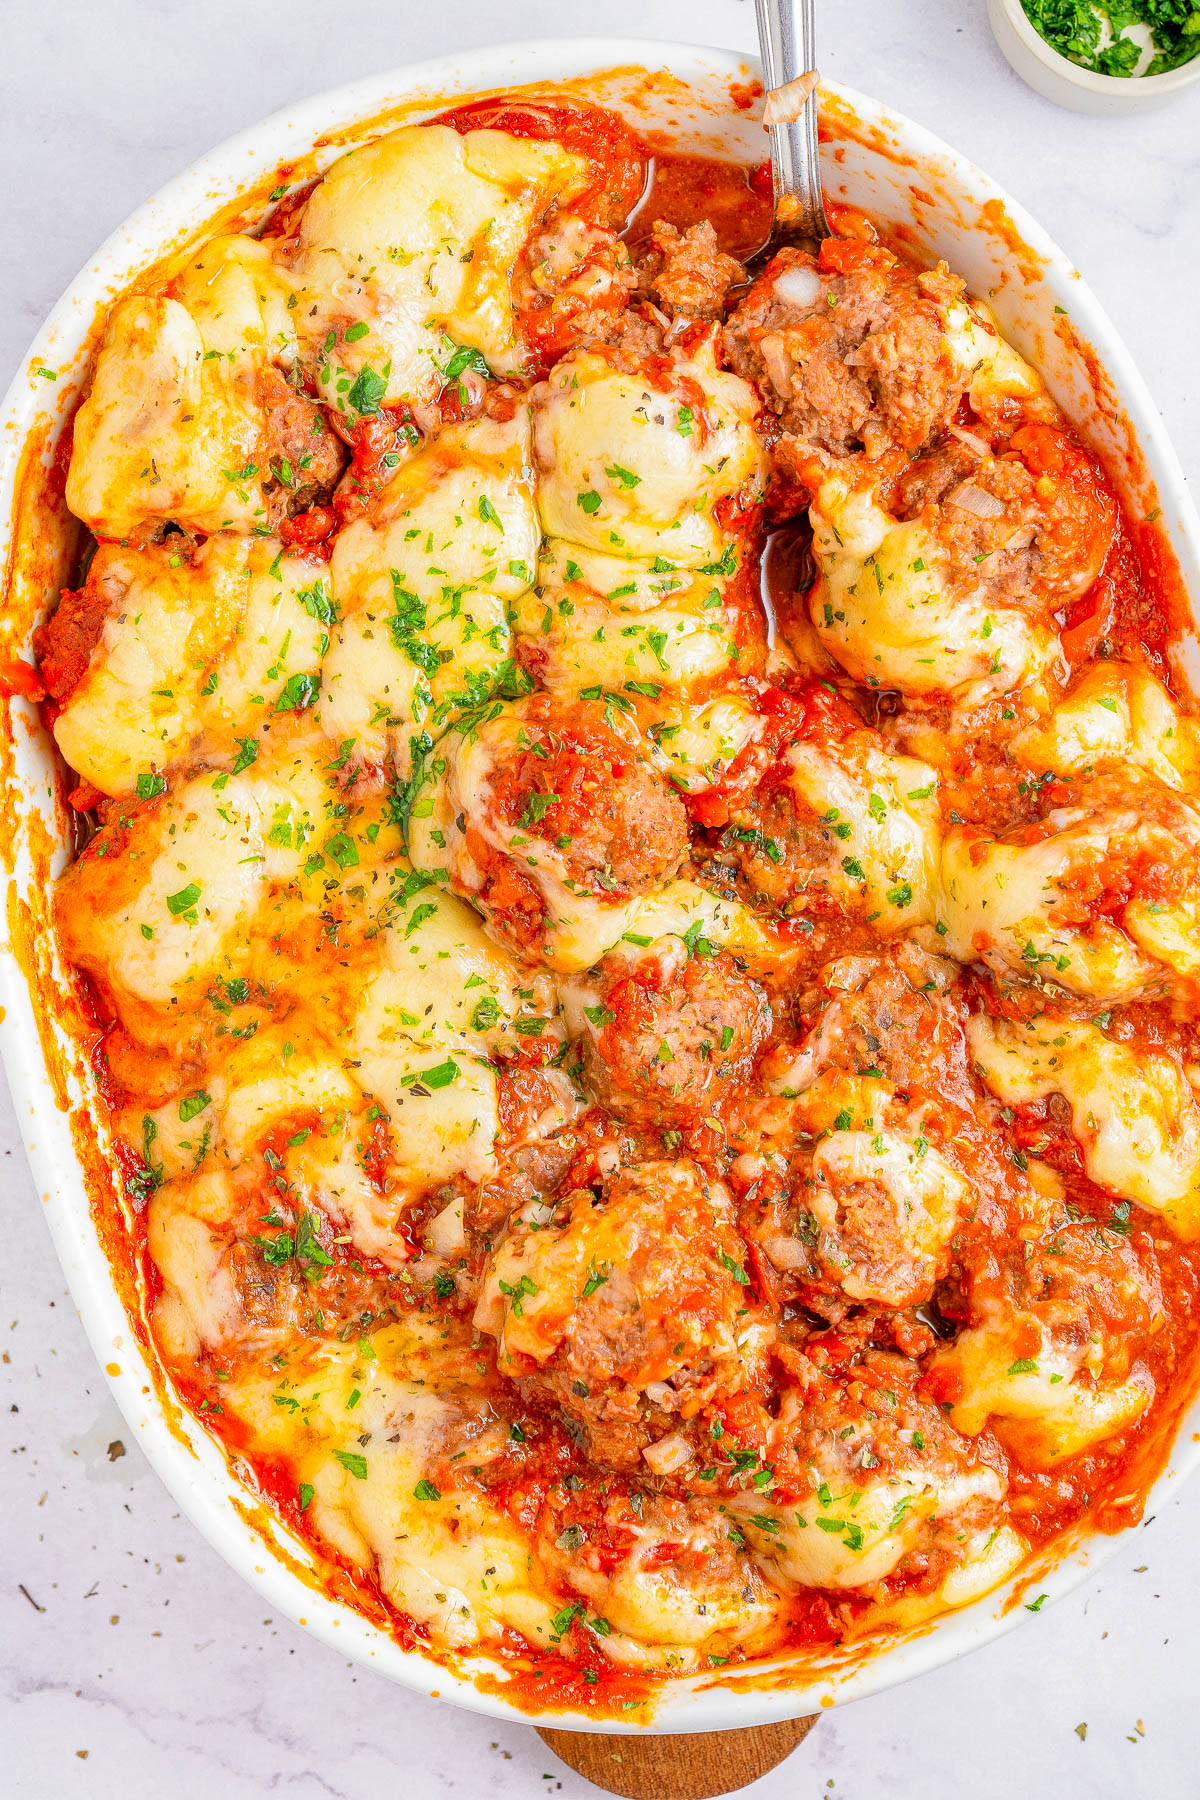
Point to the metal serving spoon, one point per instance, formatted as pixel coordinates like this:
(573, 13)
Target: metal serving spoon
(787, 41)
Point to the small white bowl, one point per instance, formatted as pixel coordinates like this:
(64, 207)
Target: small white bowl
(1059, 79)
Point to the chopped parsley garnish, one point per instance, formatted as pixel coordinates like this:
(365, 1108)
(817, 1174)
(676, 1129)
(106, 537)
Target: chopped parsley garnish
(598, 1274)
(343, 850)
(247, 753)
(696, 942)
(515, 1293)
(184, 901)
(623, 477)
(735, 1269)
(351, 1460)
(298, 693)
(366, 394)
(537, 806)
(441, 1075)
(464, 358)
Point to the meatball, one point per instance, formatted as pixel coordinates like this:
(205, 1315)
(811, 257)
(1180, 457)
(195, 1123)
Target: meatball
(961, 593)
(571, 286)
(687, 272)
(657, 1568)
(640, 457)
(624, 1312)
(303, 454)
(1098, 898)
(578, 786)
(1130, 1106)
(675, 1037)
(843, 828)
(551, 820)
(223, 1285)
(848, 348)
(1030, 527)
(64, 644)
(889, 1487)
(1057, 1324)
(858, 1176)
(885, 1208)
(869, 1210)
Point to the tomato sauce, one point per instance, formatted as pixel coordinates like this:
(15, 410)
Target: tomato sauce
(685, 190)
(611, 149)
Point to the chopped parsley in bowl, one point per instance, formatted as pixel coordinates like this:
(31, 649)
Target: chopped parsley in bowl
(1103, 35)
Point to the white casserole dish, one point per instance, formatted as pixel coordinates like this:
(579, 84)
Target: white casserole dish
(943, 206)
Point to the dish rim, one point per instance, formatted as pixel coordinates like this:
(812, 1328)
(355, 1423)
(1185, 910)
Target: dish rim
(194, 1470)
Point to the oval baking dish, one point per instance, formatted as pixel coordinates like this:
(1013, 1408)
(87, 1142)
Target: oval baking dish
(933, 202)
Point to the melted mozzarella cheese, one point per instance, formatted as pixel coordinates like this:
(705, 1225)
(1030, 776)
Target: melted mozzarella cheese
(926, 1193)
(173, 425)
(415, 236)
(684, 642)
(666, 1616)
(187, 1225)
(696, 744)
(1039, 1406)
(272, 1081)
(441, 998)
(1012, 902)
(883, 606)
(998, 903)
(1133, 1111)
(635, 464)
(1118, 713)
(421, 588)
(883, 811)
(240, 299)
(878, 1522)
(996, 372)
(581, 927)
(449, 1559)
(187, 894)
(192, 655)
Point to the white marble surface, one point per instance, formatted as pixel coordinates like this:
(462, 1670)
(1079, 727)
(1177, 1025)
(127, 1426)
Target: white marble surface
(132, 1661)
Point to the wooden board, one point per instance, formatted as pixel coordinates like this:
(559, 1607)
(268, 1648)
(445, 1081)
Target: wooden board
(686, 1767)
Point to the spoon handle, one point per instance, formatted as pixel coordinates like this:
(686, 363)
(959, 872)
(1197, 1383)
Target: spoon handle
(787, 42)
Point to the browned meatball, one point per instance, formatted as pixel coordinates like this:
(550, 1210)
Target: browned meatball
(857, 1190)
(571, 285)
(676, 1037)
(848, 348)
(64, 644)
(841, 1420)
(302, 453)
(623, 1312)
(1030, 527)
(688, 273)
(578, 786)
